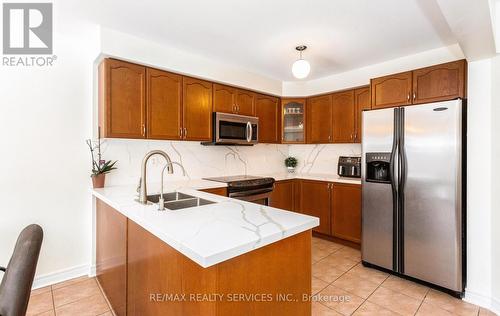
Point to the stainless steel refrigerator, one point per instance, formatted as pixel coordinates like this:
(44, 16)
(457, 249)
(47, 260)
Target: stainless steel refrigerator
(413, 192)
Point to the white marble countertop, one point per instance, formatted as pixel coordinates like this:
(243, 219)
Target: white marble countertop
(212, 233)
(312, 176)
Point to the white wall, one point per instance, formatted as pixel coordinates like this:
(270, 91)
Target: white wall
(146, 52)
(46, 116)
(479, 268)
(495, 154)
(361, 76)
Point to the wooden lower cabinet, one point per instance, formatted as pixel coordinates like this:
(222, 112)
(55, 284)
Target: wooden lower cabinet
(156, 268)
(346, 212)
(315, 201)
(217, 191)
(111, 255)
(283, 195)
(337, 205)
(142, 275)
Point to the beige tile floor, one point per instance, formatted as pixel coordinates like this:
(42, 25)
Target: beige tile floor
(342, 286)
(81, 296)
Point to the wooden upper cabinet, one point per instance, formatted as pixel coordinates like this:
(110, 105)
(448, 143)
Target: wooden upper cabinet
(343, 117)
(319, 119)
(197, 109)
(122, 107)
(315, 201)
(440, 82)
(346, 211)
(163, 104)
(266, 109)
(361, 102)
(245, 102)
(392, 90)
(232, 100)
(283, 195)
(224, 99)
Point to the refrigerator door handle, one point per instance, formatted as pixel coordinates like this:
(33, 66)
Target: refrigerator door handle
(392, 172)
(402, 171)
(402, 152)
(394, 177)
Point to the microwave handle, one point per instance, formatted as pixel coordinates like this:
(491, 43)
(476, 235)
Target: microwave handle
(249, 132)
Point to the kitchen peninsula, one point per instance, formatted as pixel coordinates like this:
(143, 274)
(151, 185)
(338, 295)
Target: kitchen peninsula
(223, 258)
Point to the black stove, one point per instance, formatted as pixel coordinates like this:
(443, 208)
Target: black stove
(248, 188)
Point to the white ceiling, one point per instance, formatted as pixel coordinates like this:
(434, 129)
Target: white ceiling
(261, 35)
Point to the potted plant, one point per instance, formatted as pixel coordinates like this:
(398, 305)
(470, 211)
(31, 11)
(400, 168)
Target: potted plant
(291, 163)
(99, 166)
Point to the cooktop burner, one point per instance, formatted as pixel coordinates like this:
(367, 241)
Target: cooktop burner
(230, 179)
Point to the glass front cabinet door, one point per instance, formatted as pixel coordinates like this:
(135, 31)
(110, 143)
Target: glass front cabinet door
(293, 118)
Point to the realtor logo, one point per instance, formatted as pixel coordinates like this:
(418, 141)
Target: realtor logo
(27, 28)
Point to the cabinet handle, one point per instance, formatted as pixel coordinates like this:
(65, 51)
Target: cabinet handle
(180, 132)
(143, 130)
(185, 133)
(414, 96)
(408, 97)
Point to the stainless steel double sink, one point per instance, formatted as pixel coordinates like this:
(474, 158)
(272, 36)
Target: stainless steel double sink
(177, 200)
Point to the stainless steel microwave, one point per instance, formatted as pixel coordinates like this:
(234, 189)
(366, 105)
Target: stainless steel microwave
(232, 129)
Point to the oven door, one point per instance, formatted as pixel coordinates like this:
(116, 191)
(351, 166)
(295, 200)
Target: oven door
(236, 129)
(258, 196)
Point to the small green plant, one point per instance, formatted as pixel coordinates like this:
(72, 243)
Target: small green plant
(291, 162)
(99, 165)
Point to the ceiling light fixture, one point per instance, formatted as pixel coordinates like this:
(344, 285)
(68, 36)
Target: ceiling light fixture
(301, 67)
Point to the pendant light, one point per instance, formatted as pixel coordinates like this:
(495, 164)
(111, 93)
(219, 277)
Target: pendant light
(301, 67)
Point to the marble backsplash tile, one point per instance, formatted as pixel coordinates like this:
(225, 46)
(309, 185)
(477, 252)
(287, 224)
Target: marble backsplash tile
(199, 161)
(322, 158)
(212, 161)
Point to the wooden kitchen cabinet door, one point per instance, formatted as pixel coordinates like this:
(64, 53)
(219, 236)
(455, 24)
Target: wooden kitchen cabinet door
(346, 212)
(197, 109)
(283, 195)
(163, 104)
(343, 117)
(224, 99)
(315, 201)
(217, 191)
(245, 102)
(361, 102)
(111, 255)
(390, 91)
(440, 83)
(122, 107)
(266, 109)
(319, 119)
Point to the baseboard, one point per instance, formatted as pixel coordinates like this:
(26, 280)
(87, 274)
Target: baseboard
(482, 300)
(60, 276)
(93, 271)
